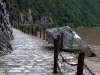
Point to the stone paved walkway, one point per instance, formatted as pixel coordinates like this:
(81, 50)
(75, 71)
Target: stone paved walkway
(34, 56)
(30, 56)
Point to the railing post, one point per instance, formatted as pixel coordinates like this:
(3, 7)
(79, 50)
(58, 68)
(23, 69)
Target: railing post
(16, 26)
(19, 27)
(58, 37)
(28, 31)
(55, 56)
(36, 32)
(32, 30)
(40, 33)
(62, 35)
(44, 34)
(80, 65)
(22, 28)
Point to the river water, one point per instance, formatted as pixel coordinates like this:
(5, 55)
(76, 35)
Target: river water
(91, 35)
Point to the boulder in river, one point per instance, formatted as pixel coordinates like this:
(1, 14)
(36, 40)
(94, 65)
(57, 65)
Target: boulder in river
(70, 39)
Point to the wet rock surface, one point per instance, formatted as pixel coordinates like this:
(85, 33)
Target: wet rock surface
(5, 28)
(5, 46)
(70, 39)
(34, 56)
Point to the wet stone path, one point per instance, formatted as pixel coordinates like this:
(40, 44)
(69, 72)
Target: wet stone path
(29, 56)
(34, 56)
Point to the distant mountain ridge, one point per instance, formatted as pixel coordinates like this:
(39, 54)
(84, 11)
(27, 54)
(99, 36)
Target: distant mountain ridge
(58, 12)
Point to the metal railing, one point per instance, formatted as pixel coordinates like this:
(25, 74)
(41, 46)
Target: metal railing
(31, 31)
(58, 44)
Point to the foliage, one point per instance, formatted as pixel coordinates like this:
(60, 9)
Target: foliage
(64, 12)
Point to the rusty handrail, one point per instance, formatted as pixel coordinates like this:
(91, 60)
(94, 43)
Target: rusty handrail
(57, 46)
(67, 61)
(55, 55)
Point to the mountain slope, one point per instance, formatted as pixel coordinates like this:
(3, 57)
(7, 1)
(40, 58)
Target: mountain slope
(59, 12)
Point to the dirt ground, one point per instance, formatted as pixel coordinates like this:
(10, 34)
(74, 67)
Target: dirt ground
(93, 63)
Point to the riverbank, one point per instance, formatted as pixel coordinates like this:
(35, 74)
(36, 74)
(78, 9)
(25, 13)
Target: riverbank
(94, 62)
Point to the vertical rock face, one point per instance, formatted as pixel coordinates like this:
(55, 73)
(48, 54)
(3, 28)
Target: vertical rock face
(6, 26)
(5, 30)
(21, 18)
(5, 47)
(24, 18)
(70, 39)
(30, 19)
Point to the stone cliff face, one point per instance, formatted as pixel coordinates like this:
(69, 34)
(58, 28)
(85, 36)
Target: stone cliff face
(5, 47)
(63, 12)
(28, 18)
(28, 15)
(6, 26)
(5, 30)
(25, 19)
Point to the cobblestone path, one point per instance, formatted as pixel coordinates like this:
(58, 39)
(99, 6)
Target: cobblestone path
(30, 56)
(34, 56)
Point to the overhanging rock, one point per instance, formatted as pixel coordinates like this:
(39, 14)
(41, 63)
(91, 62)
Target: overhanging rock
(70, 39)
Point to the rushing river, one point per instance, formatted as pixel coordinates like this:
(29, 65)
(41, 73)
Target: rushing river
(90, 35)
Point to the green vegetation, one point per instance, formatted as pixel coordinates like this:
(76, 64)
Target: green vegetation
(75, 13)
